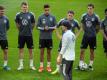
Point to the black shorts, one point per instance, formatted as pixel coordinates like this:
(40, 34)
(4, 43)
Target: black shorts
(105, 46)
(45, 43)
(25, 39)
(91, 41)
(60, 46)
(4, 44)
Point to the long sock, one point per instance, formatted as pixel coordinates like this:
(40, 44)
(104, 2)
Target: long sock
(81, 62)
(20, 62)
(5, 63)
(48, 64)
(31, 62)
(41, 64)
(58, 67)
(91, 63)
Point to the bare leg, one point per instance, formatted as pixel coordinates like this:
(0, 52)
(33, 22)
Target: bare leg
(42, 55)
(49, 55)
(30, 54)
(82, 54)
(49, 60)
(21, 56)
(91, 57)
(82, 57)
(31, 57)
(41, 59)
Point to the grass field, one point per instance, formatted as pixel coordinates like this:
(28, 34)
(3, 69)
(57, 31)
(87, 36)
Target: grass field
(59, 9)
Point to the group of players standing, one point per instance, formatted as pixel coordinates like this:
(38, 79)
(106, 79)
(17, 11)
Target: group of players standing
(25, 22)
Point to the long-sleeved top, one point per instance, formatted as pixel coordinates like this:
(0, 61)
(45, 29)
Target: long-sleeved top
(68, 46)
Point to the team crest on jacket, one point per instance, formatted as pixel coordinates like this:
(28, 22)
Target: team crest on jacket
(72, 24)
(93, 19)
(51, 19)
(86, 19)
(28, 17)
(21, 18)
(5, 21)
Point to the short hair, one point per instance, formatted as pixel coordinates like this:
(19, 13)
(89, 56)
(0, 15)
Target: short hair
(67, 24)
(24, 3)
(2, 8)
(91, 5)
(46, 6)
(71, 12)
(106, 10)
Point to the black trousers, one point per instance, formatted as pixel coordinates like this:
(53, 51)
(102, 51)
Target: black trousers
(66, 69)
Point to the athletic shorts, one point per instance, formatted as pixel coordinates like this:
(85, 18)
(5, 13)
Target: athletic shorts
(25, 39)
(4, 44)
(91, 41)
(45, 43)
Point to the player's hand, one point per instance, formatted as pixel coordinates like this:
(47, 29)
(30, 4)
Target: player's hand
(106, 38)
(46, 28)
(59, 60)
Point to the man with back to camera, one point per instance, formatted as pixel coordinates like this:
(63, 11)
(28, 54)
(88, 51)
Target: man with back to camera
(4, 27)
(90, 25)
(104, 32)
(66, 56)
(74, 25)
(46, 24)
(25, 22)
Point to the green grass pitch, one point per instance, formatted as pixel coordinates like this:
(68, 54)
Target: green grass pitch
(59, 8)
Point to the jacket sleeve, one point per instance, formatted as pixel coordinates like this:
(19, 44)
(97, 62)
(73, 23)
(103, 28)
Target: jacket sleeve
(64, 44)
(39, 24)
